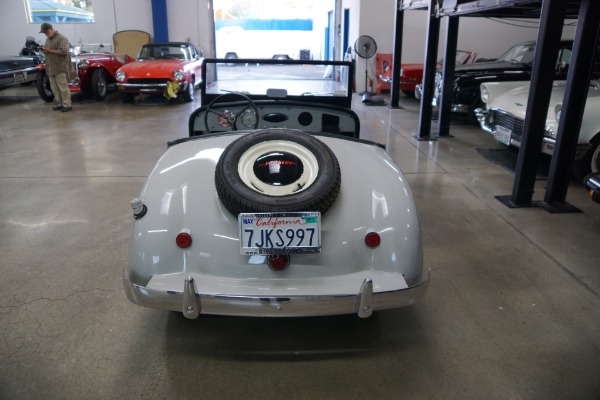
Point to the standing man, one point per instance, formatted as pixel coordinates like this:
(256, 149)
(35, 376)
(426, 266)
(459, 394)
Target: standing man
(58, 65)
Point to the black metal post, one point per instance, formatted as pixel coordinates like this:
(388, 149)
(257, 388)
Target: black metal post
(580, 70)
(397, 57)
(431, 48)
(548, 41)
(445, 111)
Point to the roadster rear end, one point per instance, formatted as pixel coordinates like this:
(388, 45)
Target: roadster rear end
(275, 221)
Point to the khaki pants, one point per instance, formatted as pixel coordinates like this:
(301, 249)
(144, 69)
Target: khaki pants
(60, 88)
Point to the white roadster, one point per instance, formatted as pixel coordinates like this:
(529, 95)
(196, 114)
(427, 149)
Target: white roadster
(274, 206)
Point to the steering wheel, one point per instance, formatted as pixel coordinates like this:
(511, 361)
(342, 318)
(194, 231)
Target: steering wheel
(229, 119)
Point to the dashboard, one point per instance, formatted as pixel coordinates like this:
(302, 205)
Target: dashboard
(267, 114)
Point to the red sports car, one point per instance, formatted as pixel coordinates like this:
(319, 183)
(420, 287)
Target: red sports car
(169, 69)
(94, 73)
(412, 74)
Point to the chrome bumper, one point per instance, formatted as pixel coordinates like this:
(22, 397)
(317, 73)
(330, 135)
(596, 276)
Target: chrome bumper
(146, 87)
(548, 142)
(191, 303)
(142, 88)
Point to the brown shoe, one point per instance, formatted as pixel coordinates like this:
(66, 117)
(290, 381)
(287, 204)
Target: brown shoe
(66, 109)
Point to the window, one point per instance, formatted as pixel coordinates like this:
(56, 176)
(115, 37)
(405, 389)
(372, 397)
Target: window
(59, 11)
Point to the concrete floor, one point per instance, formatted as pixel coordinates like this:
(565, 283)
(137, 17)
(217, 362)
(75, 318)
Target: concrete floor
(512, 312)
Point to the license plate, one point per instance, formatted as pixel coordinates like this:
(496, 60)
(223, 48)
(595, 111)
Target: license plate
(280, 233)
(502, 135)
(20, 77)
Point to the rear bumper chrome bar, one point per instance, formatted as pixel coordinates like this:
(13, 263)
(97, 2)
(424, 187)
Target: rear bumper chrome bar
(191, 303)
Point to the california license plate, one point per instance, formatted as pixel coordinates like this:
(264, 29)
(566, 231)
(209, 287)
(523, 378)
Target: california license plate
(502, 135)
(280, 233)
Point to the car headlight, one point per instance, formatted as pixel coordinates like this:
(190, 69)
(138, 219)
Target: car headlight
(178, 75)
(84, 64)
(485, 94)
(120, 75)
(557, 111)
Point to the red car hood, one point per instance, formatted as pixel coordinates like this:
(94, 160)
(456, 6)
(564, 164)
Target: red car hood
(153, 68)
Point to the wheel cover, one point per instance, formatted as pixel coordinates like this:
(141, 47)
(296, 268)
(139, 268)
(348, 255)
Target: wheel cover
(46, 86)
(101, 84)
(595, 164)
(278, 168)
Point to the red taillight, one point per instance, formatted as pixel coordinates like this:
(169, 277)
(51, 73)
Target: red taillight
(278, 262)
(184, 240)
(372, 239)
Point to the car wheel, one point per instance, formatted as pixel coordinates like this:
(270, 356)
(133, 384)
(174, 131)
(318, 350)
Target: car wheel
(43, 87)
(127, 97)
(188, 95)
(589, 163)
(99, 84)
(595, 159)
(277, 171)
(409, 93)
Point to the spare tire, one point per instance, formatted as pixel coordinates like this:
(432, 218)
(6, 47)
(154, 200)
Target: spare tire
(277, 170)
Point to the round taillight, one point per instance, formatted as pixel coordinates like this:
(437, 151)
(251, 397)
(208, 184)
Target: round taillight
(184, 240)
(278, 262)
(372, 239)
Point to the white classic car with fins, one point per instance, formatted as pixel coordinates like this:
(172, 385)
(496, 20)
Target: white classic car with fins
(274, 206)
(504, 116)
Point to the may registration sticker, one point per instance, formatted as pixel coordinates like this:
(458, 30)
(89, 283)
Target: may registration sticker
(280, 233)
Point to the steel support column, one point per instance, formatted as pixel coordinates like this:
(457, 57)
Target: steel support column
(159, 21)
(548, 43)
(445, 112)
(431, 48)
(580, 71)
(397, 57)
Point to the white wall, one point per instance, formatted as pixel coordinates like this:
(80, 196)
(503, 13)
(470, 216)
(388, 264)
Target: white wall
(488, 37)
(191, 20)
(187, 20)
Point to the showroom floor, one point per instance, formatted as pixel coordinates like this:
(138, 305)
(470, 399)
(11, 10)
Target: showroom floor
(512, 312)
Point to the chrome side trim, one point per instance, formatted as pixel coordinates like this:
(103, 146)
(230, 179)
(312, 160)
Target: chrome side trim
(256, 306)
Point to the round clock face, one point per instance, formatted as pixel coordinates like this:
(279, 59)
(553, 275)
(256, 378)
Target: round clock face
(248, 118)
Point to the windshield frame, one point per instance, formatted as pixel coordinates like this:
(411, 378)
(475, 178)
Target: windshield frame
(339, 99)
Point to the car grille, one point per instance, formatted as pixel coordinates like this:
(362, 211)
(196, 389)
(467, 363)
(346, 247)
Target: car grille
(149, 81)
(515, 125)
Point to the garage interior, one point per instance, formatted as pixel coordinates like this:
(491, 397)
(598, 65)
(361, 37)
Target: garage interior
(512, 311)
